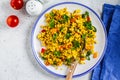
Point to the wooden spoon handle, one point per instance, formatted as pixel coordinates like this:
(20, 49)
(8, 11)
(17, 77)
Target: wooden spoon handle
(71, 71)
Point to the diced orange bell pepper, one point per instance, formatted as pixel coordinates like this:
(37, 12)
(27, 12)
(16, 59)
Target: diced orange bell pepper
(61, 48)
(54, 30)
(72, 20)
(95, 55)
(47, 63)
(83, 59)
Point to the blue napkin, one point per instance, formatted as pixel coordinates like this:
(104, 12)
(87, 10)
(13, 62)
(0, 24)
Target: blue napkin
(109, 68)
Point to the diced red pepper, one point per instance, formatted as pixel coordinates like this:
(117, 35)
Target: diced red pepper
(43, 30)
(42, 50)
(88, 18)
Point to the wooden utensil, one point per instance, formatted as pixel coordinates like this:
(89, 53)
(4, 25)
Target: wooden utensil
(71, 70)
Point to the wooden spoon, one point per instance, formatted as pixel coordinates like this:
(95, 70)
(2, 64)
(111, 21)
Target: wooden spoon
(71, 70)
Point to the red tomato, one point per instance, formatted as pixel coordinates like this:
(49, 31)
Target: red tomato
(17, 4)
(12, 21)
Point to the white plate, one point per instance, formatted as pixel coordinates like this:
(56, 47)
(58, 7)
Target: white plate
(100, 47)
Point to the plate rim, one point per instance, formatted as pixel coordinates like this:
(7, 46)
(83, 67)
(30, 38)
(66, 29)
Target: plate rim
(33, 30)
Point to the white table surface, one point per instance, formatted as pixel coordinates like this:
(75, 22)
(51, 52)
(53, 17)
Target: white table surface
(16, 59)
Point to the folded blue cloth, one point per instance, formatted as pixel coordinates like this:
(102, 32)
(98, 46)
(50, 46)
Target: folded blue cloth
(109, 68)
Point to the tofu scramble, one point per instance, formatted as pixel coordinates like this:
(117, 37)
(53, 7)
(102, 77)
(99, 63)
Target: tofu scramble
(67, 36)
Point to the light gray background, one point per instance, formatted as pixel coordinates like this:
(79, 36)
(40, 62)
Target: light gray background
(16, 59)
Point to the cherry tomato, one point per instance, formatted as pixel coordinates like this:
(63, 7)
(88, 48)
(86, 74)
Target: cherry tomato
(12, 21)
(17, 4)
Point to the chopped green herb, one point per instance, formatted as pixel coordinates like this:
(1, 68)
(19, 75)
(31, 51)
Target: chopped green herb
(68, 61)
(52, 23)
(89, 53)
(83, 44)
(90, 35)
(73, 48)
(88, 25)
(61, 28)
(84, 41)
(62, 21)
(54, 63)
(65, 17)
(83, 16)
(43, 58)
(94, 29)
(57, 53)
(59, 21)
(83, 36)
(76, 44)
(52, 14)
(87, 13)
(67, 36)
(55, 36)
(88, 57)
